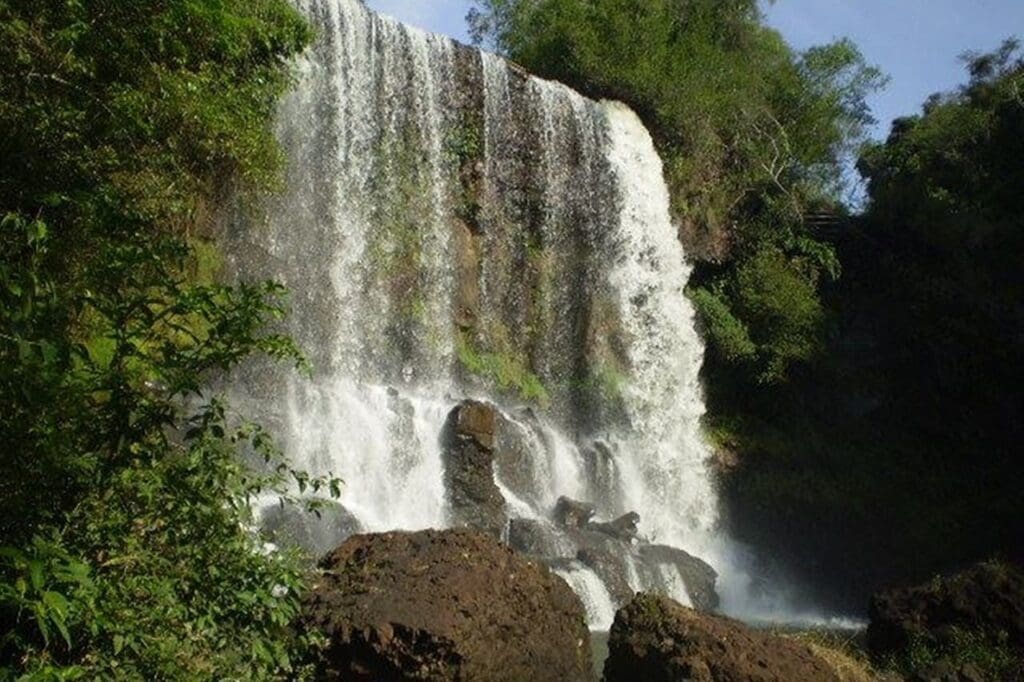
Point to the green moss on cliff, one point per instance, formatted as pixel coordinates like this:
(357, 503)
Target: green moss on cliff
(505, 370)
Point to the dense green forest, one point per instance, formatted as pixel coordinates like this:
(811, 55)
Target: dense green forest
(860, 379)
(123, 501)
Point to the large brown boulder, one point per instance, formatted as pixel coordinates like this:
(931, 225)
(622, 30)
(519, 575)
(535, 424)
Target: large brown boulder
(468, 440)
(445, 605)
(656, 639)
(987, 599)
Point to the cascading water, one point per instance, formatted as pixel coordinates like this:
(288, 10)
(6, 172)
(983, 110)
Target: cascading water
(455, 228)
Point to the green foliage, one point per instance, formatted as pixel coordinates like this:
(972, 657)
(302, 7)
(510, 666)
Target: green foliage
(753, 135)
(504, 370)
(729, 336)
(771, 295)
(990, 653)
(903, 436)
(947, 218)
(123, 500)
(780, 304)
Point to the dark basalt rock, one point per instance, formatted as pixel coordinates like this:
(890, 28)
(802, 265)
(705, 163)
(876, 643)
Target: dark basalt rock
(698, 576)
(445, 605)
(468, 441)
(572, 513)
(515, 442)
(293, 526)
(608, 548)
(538, 539)
(623, 528)
(657, 640)
(610, 567)
(987, 599)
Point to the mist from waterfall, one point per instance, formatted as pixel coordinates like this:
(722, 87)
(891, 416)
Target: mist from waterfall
(570, 265)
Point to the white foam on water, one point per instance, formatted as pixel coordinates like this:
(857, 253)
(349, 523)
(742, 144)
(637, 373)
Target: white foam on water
(593, 593)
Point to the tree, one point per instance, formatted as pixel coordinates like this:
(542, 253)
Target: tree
(947, 215)
(124, 504)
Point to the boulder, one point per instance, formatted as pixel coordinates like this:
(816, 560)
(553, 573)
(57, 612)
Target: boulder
(986, 599)
(518, 444)
(658, 640)
(607, 556)
(623, 528)
(468, 454)
(294, 526)
(610, 567)
(539, 539)
(445, 605)
(697, 575)
(572, 513)
(476, 421)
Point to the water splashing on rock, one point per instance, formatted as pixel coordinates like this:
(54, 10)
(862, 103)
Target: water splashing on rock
(455, 229)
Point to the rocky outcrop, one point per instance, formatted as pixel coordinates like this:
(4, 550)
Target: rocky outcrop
(481, 444)
(445, 605)
(697, 575)
(538, 539)
(610, 566)
(317, 533)
(520, 445)
(623, 528)
(468, 441)
(987, 599)
(614, 552)
(572, 513)
(657, 640)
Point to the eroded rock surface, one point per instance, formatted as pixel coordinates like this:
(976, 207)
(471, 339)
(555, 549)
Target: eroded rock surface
(658, 640)
(622, 561)
(445, 605)
(697, 575)
(468, 440)
(293, 526)
(573, 513)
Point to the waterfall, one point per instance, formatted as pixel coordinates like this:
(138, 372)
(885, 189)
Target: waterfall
(453, 227)
(592, 592)
(666, 477)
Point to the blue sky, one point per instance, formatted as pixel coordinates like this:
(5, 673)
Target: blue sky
(916, 42)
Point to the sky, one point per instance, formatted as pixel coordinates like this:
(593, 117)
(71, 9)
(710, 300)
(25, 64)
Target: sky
(916, 42)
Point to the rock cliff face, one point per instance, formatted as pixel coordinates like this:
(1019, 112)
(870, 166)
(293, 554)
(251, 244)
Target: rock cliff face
(657, 640)
(452, 605)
